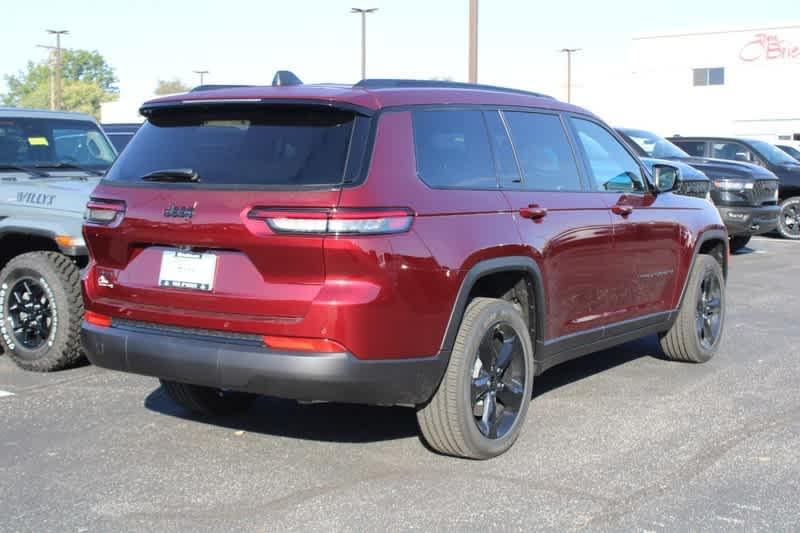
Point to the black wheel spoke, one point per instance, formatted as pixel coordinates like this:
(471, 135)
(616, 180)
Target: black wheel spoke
(505, 352)
(511, 395)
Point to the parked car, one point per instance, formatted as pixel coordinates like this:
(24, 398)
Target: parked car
(49, 163)
(692, 181)
(765, 155)
(420, 243)
(120, 134)
(791, 150)
(745, 194)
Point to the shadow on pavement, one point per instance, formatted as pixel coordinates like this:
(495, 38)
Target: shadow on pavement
(334, 422)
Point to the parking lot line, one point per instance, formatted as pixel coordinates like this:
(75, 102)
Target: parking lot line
(778, 241)
(3, 393)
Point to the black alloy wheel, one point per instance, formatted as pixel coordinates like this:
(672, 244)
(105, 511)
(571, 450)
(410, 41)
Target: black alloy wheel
(30, 313)
(498, 381)
(709, 307)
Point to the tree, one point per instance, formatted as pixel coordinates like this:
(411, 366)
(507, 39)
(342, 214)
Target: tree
(87, 81)
(174, 85)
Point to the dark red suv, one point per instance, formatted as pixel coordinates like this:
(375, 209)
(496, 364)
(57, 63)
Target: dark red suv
(393, 242)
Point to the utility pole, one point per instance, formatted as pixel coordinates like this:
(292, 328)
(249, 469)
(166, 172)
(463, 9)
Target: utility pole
(51, 62)
(59, 93)
(569, 52)
(363, 13)
(473, 41)
(202, 74)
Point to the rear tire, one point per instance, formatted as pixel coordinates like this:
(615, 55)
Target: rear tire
(738, 242)
(41, 310)
(696, 333)
(789, 218)
(207, 400)
(480, 406)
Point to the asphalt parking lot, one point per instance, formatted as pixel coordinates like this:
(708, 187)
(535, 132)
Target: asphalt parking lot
(620, 440)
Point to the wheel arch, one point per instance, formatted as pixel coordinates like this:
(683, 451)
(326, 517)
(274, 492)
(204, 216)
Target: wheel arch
(713, 242)
(483, 275)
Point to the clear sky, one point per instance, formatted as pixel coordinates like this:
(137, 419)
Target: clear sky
(246, 41)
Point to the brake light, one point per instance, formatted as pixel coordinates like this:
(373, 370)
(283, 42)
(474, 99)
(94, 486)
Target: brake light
(302, 344)
(105, 212)
(335, 221)
(96, 319)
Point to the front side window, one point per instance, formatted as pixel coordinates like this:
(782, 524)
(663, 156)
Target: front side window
(613, 169)
(44, 142)
(543, 151)
(452, 149)
(732, 151)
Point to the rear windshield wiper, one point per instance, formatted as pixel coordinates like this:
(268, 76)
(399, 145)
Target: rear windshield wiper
(31, 171)
(69, 166)
(173, 175)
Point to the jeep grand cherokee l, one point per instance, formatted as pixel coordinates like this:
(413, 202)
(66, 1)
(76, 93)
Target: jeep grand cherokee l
(394, 242)
(745, 194)
(765, 155)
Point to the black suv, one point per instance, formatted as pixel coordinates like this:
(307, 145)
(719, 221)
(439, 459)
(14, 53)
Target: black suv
(745, 194)
(765, 155)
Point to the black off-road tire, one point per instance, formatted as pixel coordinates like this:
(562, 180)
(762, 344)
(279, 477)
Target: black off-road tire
(738, 242)
(59, 278)
(683, 341)
(207, 400)
(447, 421)
(786, 230)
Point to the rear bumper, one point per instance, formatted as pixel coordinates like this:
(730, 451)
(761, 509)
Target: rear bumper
(246, 366)
(747, 220)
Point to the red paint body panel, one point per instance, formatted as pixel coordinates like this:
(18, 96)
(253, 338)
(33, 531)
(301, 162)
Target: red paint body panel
(389, 296)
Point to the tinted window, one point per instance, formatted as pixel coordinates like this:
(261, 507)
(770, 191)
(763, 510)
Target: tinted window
(243, 146)
(504, 159)
(543, 151)
(732, 151)
(452, 149)
(120, 140)
(612, 167)
(708, 76)
(772, 153)
(42, 141)
(693, 148)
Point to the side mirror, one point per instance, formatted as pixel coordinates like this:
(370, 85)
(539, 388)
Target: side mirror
(666, 177)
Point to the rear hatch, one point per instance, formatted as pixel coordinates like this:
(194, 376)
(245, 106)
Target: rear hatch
(194, 223)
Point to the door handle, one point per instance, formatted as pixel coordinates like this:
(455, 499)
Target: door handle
(533, 212)
(622, 210)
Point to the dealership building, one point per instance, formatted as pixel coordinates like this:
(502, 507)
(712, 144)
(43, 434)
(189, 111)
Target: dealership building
(736, 81)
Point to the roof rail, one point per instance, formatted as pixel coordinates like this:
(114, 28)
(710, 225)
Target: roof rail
(216, 87)
(389, 83)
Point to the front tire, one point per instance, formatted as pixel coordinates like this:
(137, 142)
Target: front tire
(789, 219)
(207, 400)
(696, 333)
(41, 310)
(738, 242)
(480, 406)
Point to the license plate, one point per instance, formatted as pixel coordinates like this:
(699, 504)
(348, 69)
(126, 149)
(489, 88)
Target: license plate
(184, 270)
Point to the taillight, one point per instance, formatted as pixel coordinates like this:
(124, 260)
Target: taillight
(105, 212)
(335, 221)
(302, 344)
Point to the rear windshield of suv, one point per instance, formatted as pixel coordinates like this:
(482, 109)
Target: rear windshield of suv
(243, 146)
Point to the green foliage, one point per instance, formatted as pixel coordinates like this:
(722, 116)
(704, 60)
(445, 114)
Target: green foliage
(87, 81)
(174, 85)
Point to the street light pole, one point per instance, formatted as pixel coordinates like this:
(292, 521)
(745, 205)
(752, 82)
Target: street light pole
(473, 41)
(363, 13)
(59, 101)
(202, 74)
(569, 52)
(52, 68)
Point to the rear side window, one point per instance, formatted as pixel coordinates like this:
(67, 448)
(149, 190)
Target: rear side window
(452, 149)
(693, 148)
(543, 151)
(243, 146)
